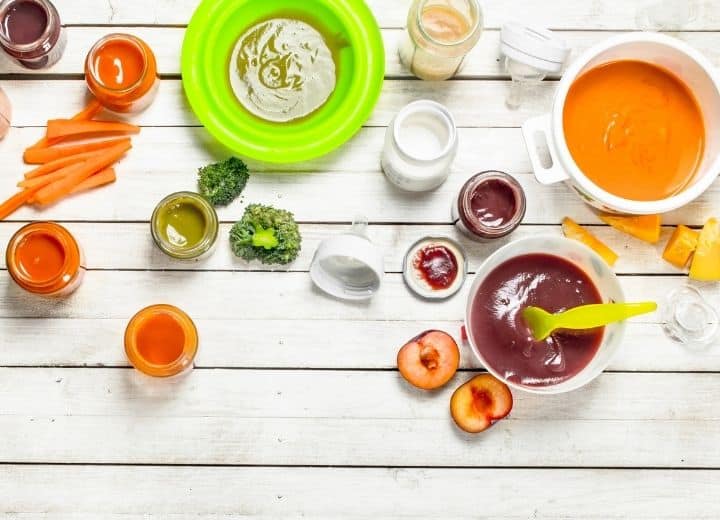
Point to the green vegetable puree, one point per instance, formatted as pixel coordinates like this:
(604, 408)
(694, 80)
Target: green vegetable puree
(182, 223)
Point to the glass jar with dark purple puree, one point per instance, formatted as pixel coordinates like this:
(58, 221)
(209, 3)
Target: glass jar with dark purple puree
(31, 32)
(490, 205)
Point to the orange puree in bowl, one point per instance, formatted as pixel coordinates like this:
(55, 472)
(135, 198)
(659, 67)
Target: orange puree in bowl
(634, 129)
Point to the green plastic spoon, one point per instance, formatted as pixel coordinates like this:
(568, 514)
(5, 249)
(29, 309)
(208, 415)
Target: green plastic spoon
(542, 323)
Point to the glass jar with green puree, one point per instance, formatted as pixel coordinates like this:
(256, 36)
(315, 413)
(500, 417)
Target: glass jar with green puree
(184, 225)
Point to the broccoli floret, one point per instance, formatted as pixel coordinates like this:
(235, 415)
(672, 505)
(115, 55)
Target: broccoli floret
(222, 182)
(266, 234)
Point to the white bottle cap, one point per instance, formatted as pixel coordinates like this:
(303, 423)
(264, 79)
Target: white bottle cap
(533, 46)
(348, 266)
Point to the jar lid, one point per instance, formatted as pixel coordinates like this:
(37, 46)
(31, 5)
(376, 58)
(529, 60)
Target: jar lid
(435, 268)
(534, 46)
(348, 267)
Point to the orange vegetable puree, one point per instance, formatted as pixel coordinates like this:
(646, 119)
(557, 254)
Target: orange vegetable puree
(634, 129)
(40, 256)
(119, 64)
(160, 339)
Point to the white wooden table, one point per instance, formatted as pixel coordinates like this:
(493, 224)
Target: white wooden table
(295, 407)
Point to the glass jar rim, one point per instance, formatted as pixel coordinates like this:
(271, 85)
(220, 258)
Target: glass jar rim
(415, 107)
(50, 13)
(71, 251)
(189, 348)
(127, 38)
(465, 196)
(476, 10)
(210, 232)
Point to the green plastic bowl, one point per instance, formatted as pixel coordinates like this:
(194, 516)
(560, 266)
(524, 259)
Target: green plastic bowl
(211, 36)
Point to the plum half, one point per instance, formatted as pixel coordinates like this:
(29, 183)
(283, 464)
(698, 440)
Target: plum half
(429, 360)
(480, 403)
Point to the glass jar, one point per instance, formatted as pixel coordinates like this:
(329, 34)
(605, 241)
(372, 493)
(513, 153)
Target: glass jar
(121, 72)
(161, 341)
(44, 258)
(31, 32)
(420, 146)
(689, 318)
(184, 226)
(490, 205)
(5, 114)
(440, 33)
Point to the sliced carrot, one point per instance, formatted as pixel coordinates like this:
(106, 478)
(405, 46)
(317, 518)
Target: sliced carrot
(90, 111)
(101, 178)
(11, 205)
(44, 180)
(52, 153)
(57, 164)
(62, 187)
(68, 128)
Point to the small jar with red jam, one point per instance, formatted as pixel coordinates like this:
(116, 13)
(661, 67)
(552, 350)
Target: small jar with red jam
(435, 268)
(490, 205)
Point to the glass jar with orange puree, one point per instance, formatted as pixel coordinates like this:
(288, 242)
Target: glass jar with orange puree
(121, 72)
(161, 341)
(44, 258)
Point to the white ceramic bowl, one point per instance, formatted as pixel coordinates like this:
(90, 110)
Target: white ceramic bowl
(595, 267)
(669, 53)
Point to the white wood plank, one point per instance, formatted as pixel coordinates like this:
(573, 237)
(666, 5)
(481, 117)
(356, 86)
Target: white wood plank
(581, 14)
(347, 418)
(293, 344)
(482, 62)
(337, 187)
(356, 395)
(106, 246)
(471, 106)
(264, 296)
(135, 493)
(362, 442)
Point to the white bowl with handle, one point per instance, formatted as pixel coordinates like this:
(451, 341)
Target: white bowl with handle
(671, 54)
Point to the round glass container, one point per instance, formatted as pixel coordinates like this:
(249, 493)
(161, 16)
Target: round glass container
(420, 146)
(161, 341)
(490, 205)
(440, 33)
(184, 226)
(121, 72)
(689, 319)
(31, 32)
(44, 258)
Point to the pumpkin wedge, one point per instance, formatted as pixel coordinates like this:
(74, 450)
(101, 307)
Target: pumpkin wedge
(573, 230)
(681, 246)
(706, 262)
(644, 227)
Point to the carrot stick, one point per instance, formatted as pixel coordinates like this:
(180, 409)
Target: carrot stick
(68, 128)
(101, 178)
(62, 187)
(11, 205)
(52, 153)
(57, 164)
(90, 111)
(44, 180)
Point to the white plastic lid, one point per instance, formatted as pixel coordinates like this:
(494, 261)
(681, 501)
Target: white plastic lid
(348, 267)
(533, 46)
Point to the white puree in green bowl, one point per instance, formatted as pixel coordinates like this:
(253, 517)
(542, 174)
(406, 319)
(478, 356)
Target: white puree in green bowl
(282, 69)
